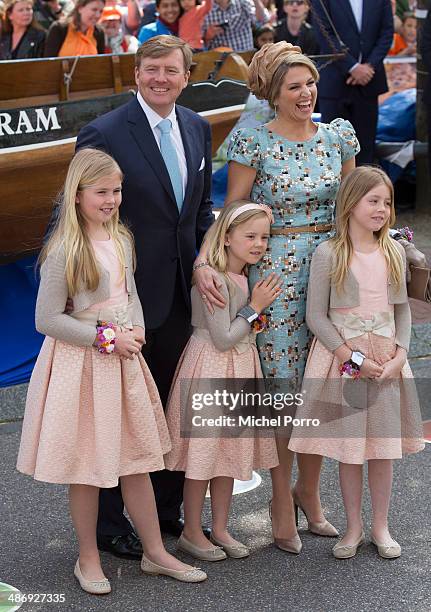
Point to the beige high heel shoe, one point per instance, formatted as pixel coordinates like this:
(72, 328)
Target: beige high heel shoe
(194, 574)
(323, 528)
(95, 587)
(293, 545)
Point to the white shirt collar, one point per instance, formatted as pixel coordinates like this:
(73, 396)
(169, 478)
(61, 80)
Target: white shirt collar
(152, 116)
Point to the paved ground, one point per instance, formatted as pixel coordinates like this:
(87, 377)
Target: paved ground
(38, 549)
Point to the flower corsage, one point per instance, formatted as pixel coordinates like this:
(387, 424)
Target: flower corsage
(105, 339)
(259, 324)
(348, 369)
(405, 232)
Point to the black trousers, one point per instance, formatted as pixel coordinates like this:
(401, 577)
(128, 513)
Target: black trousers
(162, 351)
(362, 112)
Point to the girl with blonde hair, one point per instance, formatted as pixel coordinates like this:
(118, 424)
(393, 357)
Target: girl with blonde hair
(222, 347)
(358, 310)
(93, 415)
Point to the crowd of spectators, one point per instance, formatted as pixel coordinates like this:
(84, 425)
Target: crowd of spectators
(38, 28)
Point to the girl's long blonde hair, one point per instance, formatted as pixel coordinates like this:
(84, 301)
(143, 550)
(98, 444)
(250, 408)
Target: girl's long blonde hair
(353, 188)
(216, 236)
(88, 167)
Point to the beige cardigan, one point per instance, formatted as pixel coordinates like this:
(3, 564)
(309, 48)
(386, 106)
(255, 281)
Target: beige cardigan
(52, 296)
(226, 329)
(323, 295)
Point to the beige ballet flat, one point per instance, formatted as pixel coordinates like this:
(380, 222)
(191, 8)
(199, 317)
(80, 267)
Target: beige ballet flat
(192, 575)
(203, 554)
(346, 551)
(293, 545)
(236, 551)
(95, 587)
(387, 551)
(324, 528)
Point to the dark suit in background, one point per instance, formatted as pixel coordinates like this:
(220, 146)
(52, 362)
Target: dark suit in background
(369, 45)
(425, 49)
(166, 246)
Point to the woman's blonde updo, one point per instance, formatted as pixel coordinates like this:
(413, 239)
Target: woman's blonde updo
(270, 65)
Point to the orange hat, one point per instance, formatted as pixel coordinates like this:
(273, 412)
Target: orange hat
(109, 13)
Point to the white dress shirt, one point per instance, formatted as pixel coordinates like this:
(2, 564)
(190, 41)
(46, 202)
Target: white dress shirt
(153, 120)
(357, 8)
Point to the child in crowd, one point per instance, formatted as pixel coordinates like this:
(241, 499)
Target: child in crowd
(115, 40)
(93, 413)
(404, 43)
(194, 13)
(358, 310)
(223, 347)
(263, 35)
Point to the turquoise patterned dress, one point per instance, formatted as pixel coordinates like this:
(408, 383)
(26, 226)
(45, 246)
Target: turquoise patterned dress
(299, 181)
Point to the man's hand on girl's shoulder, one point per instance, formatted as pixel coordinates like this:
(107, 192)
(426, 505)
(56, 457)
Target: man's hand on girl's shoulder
(208, 284)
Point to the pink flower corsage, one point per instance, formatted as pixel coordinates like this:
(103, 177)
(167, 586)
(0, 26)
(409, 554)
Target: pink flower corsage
(348, 369)
(406, 233)
(260, 323)
(105, 339)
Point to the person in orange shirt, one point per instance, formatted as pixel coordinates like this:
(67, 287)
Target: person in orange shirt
(79, 33)
(194, 12)
(404, 43)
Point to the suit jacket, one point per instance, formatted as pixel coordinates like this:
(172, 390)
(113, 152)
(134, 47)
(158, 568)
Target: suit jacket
(31, 45)
(425, 49)
(165, 240)
(373, 42)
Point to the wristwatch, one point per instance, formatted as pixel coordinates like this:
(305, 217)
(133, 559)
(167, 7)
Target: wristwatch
(248, 313)
(357, 358)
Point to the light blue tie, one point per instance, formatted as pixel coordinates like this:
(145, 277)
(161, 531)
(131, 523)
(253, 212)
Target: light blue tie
(169, 154)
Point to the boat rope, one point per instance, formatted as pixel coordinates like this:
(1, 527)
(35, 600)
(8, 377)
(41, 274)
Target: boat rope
(68, 76)
(342, 51)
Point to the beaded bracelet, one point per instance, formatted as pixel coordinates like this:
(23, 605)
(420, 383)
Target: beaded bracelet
(105, 338)
(348, 369)
(200, 265)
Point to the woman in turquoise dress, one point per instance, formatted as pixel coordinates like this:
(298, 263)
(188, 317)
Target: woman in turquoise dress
(294, 166)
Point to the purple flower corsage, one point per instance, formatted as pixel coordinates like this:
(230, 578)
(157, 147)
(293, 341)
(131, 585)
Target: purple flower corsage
(348, 369)
(406, 233)
(105, 339)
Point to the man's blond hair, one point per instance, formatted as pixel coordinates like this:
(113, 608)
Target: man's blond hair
(158, 46)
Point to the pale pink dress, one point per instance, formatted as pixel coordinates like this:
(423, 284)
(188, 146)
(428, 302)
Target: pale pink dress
(360, 420)
(92, 417)
(206, 458)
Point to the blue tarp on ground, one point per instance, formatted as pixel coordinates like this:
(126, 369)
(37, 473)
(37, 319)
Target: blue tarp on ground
(20, 341)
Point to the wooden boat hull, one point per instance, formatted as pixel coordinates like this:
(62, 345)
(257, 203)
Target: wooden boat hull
(41, 114)
(32, 175)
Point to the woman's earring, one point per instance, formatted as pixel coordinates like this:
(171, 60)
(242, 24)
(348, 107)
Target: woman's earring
(275, 109)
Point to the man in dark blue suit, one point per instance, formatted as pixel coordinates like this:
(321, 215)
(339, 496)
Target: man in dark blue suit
(349, 87)
(166, 203)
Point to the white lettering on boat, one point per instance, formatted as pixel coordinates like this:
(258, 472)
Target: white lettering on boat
(43, 120)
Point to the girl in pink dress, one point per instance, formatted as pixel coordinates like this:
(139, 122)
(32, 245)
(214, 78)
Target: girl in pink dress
(93, 413)
(358, 384)
(221, 347)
